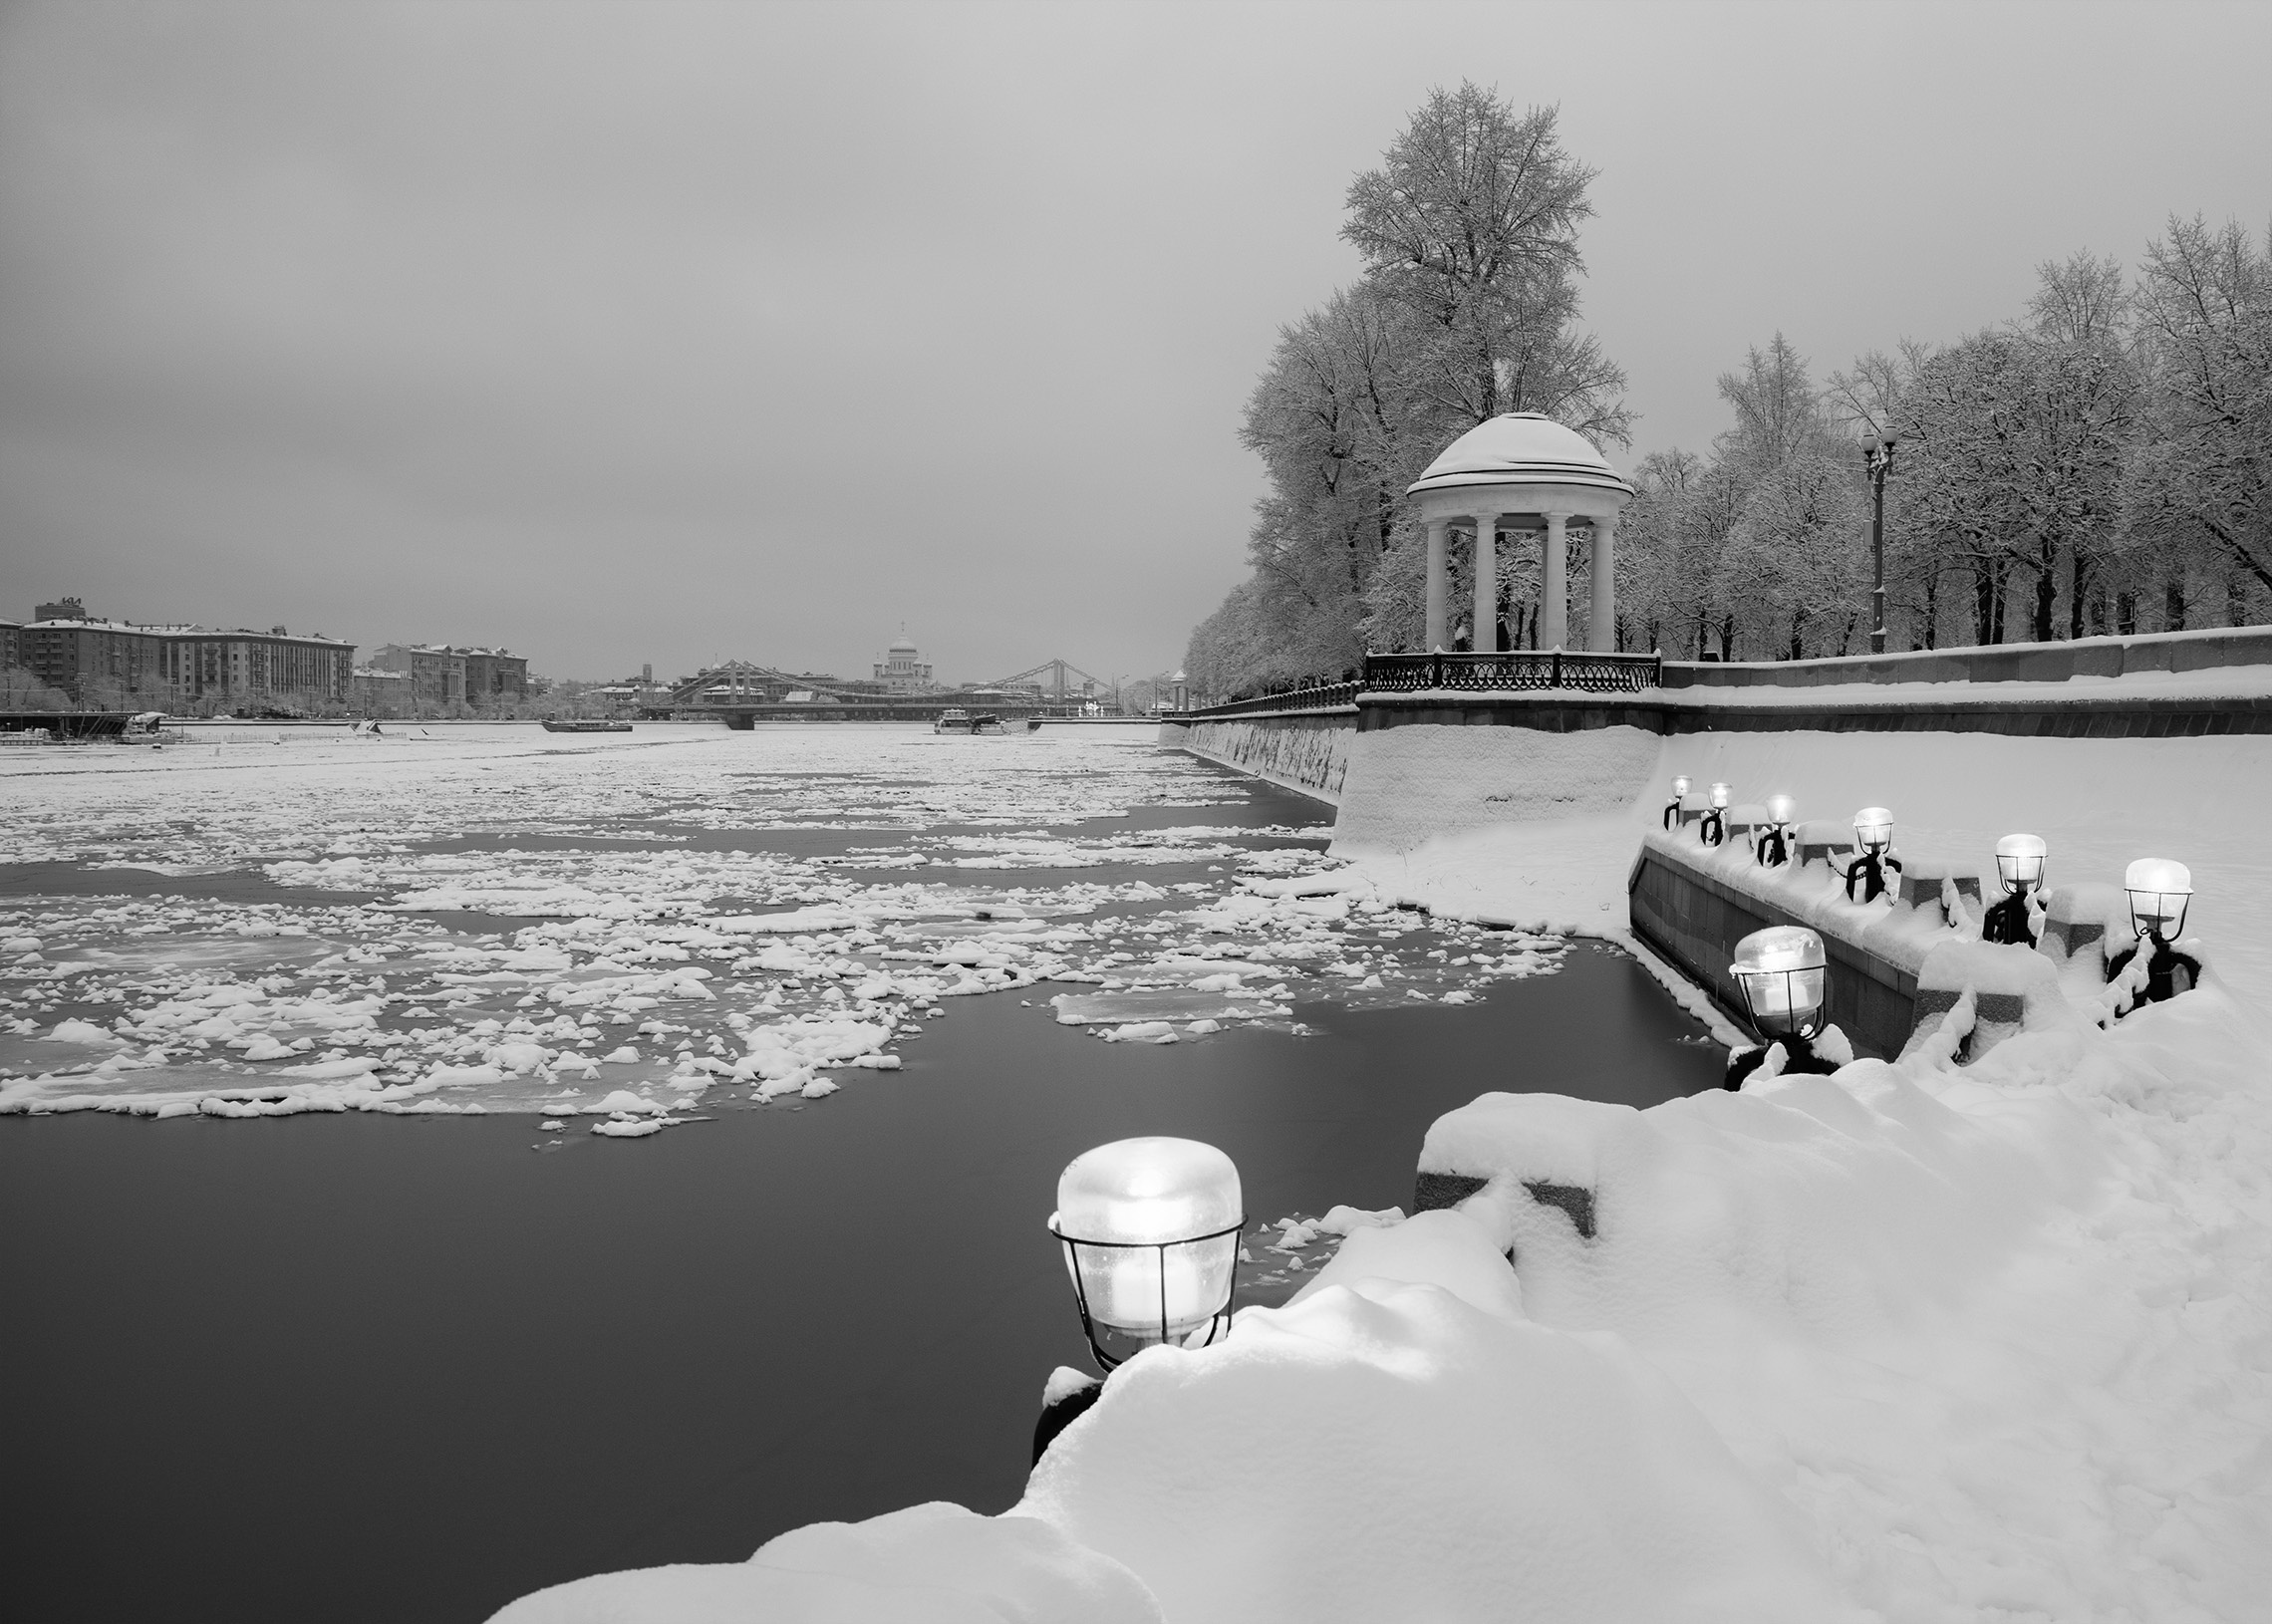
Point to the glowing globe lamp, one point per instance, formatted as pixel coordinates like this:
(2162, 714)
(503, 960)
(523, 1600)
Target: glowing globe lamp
(1780, 970)
(1874, 828)
(1720, 797)
(1781, 809)
(1680, 786)
(2019, 863)
(2159, 891)
(1150, 1230)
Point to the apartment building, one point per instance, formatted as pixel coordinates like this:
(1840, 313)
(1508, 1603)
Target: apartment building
(106, 665)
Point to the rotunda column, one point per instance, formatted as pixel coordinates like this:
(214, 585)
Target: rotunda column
(1604, 628)
(1438, 632)
(1554, 590)
(1486, 583)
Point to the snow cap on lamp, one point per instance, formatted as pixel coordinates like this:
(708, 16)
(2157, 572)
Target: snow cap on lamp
(1781, 809)
(1780, 970)
(2159, 890)
(2019, 862)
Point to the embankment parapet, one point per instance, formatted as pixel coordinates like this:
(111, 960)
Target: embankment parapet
(1306, 752)
(2001, 662)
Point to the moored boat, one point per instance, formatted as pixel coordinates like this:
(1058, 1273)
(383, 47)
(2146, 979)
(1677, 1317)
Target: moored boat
(586, 725)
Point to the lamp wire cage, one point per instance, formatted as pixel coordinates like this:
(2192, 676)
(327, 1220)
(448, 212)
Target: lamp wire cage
(2018, 873)
(2151, 921)
(1216, 1324)
(1753, 981)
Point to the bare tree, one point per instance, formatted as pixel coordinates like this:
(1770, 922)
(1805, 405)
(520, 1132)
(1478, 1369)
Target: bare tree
(1471, 224)
(2203, 465)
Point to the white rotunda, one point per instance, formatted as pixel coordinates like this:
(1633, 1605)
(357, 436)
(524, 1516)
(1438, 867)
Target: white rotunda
(1522, 472)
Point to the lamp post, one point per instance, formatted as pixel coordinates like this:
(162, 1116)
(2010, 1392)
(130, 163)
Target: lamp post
(2019, 870)
(1673, 806)
(1874, 839)
(1878, 457)
(1782, 972)
(1714, 829)
(1150, 1230)
(1774, 846)
(2159, 893)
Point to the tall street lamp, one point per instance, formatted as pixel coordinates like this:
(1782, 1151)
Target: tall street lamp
(1878, 456)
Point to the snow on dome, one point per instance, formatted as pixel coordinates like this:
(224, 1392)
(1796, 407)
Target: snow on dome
(1520, 449)
(903, 644)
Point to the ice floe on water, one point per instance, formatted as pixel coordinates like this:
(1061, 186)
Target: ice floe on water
(630, 937)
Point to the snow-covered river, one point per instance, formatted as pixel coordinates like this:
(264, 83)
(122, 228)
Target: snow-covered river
(745, 1064)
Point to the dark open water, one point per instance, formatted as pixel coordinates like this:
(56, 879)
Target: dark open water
(385, 1368)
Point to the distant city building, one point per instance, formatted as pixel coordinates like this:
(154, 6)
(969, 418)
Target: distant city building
(493, 677)
(257, 670)
(11, 647)
(437, 673)
(626, 695)
(446, 678)
(902, 670)
(615, 698)
(121, 665)
(381, 693)
(102, 665)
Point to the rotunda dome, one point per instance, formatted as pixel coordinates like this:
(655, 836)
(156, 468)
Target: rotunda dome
(1520, 449)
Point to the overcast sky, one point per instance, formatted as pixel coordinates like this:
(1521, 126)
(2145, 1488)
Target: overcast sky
(678, 333)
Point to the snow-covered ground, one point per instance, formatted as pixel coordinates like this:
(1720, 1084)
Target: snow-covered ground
(1919, 1342)
(629, 930)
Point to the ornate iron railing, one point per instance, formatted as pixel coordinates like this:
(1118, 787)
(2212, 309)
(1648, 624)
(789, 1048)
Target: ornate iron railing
(1511, 673)
(1515, 670)
(1325, 696)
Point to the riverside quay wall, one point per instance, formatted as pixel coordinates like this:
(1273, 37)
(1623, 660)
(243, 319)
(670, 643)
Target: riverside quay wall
(1403, 766)
(1304, 750)
(2176, 728)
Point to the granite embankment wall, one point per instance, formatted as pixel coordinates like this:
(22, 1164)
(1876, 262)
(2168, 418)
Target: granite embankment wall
(1304, 750)
(1897, 963)
(2188, 759)
(1401, 781)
